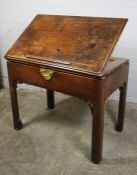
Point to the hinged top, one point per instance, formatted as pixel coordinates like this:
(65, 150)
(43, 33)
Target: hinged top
(80, 44)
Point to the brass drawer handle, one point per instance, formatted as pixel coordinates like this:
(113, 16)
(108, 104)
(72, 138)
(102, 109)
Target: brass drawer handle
(46, 73)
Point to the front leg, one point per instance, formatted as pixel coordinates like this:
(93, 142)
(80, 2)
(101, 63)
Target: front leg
(97, 131)
(14, 102)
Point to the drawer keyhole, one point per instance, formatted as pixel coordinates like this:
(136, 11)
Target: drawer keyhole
(46, 73)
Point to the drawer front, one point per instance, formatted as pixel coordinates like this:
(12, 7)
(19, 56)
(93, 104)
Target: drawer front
(63, 82)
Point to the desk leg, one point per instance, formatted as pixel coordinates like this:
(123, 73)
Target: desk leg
(121, 110)
(97, 131)
(50, 99)
(14, 102)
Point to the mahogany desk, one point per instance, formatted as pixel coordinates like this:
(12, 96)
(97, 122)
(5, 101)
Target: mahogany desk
(71, 55)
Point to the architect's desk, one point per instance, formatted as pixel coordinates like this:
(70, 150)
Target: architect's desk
(71, 55)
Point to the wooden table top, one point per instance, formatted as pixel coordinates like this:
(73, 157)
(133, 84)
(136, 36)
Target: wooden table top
(79, 44)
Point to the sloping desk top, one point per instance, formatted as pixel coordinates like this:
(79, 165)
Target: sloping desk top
(79, 44)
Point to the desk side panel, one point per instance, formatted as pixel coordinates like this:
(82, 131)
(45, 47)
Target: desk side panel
(116, 79)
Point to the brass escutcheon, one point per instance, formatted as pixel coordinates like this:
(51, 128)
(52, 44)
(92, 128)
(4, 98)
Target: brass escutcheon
(46, 73)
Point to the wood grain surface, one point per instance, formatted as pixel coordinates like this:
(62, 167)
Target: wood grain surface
(79, 44)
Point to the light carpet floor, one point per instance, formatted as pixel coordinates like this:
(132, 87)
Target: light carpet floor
(57, 142)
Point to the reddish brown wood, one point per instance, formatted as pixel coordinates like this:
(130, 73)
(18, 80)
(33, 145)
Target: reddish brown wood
(121, 110)
(14, 102)
(94, 89)
(50, 99)
(98, 124)
(75, 50)
(64, 82)
(80, 44)
(116, 79)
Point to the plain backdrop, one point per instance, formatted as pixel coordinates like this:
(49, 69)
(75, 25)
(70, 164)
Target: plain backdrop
(15, 16)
